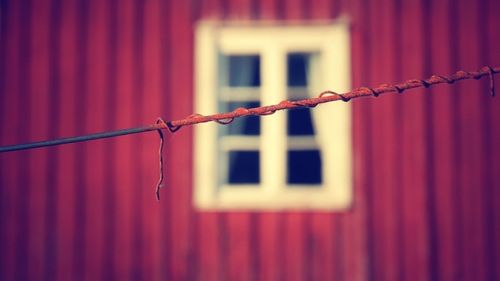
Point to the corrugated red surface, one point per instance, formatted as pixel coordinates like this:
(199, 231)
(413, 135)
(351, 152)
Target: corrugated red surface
(426, 163)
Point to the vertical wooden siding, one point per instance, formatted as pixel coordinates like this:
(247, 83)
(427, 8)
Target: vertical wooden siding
(427, 177)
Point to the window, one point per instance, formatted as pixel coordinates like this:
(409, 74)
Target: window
(296, 159)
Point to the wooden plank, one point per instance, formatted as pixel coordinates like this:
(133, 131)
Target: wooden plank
(295, 9)
(3, 168)
(39, 108)
(414, 147)
(294, 234)
(240, 10)
(386, 149)
(323, 9)
(95, 153)
(21, 255)
(211, 9)
(66, 155)
(493, 58)
(322, 246)
(179, 163)
(79, 220)
(10, 135)
(269, 10)
(152, 107)
(486, 56)
(240, 253)
(294, 252)
(239, 246)
(166, 40)
(443, 195)
(323, 232)
(110, 179)
(269, 250)
(124, 149)
(472, 164)
(356, 252)
(208, 241)
(52, 162)
(137, 100)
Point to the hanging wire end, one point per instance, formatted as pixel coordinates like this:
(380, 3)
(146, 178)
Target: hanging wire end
(159, 185)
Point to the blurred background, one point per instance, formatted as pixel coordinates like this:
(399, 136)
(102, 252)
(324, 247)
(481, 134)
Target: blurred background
(426, 164)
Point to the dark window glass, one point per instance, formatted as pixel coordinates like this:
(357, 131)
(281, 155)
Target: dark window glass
(299, 122)
(249, 125)
(244, 71)
(297, 69)
(304, 167)
(243, 167)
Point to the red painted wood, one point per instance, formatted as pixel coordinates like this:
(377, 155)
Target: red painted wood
(240, 9)
(124, 150)
(443, 145)
(414, 168)
(270, 225)
(472, 166)
(211, 9)
(425, 198)
(269, 10)
(323, 235)
(322, 9)
(294, 246)
(180, 146)
(355, 250)
(493, 8)
(322, 229)
(238, 243)
(66, 176)
(294, 9)
(39, 107)
(295, 228)
(95, 154)
(238, 224)
(151, 109)
(209, 249)
(10, 163)
(269, 250)
(209, 236)
(386, 145)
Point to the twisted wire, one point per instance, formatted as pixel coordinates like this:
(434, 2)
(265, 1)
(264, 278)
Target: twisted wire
(228, 117)
(330, 96)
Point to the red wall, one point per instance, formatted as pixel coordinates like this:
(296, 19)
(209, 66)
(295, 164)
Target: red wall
(427, 163)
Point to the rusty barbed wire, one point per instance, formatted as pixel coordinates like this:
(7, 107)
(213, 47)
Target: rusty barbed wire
(228, 117)
(330, 96)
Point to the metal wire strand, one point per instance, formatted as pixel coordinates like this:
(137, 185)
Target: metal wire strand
(228, 117)
(330, 96)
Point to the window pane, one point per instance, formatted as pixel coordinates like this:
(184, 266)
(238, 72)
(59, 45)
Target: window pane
(297, 69)
(244, 71)
(249, 125)
(243, 167)
(300, 122)
(304, 167)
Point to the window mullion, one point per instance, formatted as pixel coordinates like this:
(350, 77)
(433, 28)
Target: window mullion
(273, 141)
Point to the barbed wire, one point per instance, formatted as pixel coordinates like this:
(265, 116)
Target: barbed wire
(330, 96)
(228, 117)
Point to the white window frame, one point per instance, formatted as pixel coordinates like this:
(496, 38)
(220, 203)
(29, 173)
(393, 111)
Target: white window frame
(273, 42)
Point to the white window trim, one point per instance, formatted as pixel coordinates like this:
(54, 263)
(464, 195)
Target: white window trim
(332, 41)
